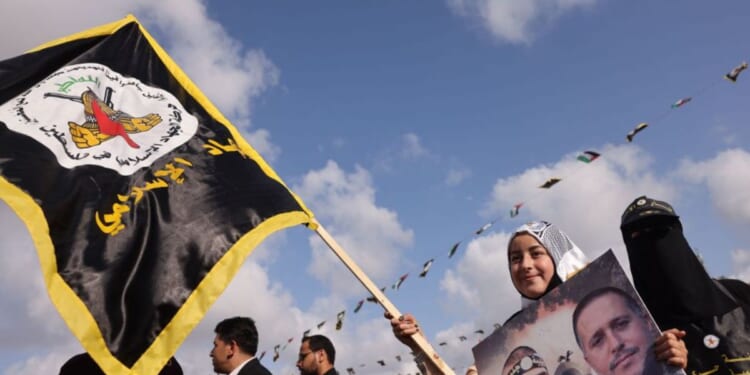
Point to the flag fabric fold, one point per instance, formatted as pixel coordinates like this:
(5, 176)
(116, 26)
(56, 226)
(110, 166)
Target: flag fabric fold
(142, 199)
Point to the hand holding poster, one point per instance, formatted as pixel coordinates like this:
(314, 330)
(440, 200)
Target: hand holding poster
(594, 323)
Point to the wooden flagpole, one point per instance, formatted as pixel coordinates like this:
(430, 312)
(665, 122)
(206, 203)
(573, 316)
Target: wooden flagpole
(423, 344)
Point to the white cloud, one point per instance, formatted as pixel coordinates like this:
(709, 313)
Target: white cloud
(726, 134)
(338, 142)
(261, 141)
(727, 177)
(228, 74)
(60, 19)
(457, 175)
(27, 311)
(408, 147)
(42, 364)
(412, 147)
(481, 282)
(588, 202)
(30, 322)
(515, 21)
(371, 235)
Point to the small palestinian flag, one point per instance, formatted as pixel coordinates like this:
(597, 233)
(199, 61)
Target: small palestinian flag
(400, 281)
(681, 102)
(588, 156)
(638, 128)
(515, 210)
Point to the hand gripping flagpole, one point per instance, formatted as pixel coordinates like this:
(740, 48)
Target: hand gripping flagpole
(420, 340)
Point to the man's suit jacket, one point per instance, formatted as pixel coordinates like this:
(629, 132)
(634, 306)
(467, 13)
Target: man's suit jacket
(254, 368)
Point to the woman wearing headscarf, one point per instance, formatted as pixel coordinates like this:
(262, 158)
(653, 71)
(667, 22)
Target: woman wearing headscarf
(540, 258)
(678, 291)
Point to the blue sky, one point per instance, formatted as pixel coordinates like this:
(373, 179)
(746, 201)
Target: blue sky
(406, 126)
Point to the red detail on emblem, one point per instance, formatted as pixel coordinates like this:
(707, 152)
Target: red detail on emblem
(109, 126)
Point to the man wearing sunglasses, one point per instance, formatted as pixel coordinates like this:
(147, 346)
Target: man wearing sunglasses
(316, 356)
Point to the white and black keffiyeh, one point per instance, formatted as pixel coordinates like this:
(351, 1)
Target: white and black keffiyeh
(568, 257)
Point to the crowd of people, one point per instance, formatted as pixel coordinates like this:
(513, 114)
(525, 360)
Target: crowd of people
(704, 322)
(234, 352)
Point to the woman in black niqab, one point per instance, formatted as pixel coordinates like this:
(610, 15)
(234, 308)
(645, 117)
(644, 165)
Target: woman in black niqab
(679, 293)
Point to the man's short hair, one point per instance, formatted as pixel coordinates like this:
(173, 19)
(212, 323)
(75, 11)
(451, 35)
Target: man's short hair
(630, 302)
(241, 330)
(318, 342)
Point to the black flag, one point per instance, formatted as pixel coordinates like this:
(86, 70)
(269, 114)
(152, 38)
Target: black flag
(143, 200)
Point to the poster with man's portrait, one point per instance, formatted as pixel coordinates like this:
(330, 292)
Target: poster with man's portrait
(594, 323)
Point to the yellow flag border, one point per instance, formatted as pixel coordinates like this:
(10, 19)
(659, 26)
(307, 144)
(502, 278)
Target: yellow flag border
(74, 312)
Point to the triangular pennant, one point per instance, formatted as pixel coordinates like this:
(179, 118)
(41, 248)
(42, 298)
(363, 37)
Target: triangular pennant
(681, 102)
(359, 306)
(551, 182)
(426, 268)
(453, 249)
(484, 228)
(735, 73)
(400, 281)
(638, 128)
(340, 319)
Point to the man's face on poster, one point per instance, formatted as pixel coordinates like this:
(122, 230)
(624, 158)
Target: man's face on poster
(614, 338)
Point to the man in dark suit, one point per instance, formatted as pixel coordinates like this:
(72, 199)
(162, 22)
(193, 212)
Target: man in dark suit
(234, 348)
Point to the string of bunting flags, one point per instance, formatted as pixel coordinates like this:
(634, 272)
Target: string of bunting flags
(585, 157)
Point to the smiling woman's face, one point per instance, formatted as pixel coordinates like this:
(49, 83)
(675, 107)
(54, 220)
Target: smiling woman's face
(531, 267)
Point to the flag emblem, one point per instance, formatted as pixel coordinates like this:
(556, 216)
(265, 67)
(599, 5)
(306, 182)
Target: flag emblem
(89, 114)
